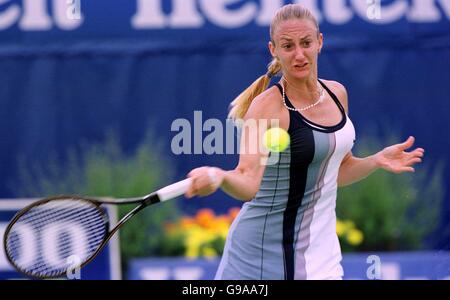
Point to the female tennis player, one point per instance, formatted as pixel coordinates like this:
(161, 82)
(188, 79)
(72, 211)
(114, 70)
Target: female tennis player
(286, 229)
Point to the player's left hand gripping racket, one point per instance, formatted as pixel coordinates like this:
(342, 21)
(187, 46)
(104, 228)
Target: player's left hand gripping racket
(44, 238)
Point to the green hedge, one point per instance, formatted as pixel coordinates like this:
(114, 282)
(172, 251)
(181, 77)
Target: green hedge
(394, 211)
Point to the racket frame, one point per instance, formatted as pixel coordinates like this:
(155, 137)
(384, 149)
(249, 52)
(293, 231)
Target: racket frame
(166, 193)
(95, 202)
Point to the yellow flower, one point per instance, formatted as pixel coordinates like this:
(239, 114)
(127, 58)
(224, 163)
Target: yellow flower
(355, 237)
(191, 252)
(221, 226)
(208, 236)
(222, 221)
(209, 252)
(193, 243)
(348, 225)
(340, 228)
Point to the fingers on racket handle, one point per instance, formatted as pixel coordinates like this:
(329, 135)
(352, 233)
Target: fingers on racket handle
(174, 190)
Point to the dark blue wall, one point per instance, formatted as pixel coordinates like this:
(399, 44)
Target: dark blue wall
(59, 87)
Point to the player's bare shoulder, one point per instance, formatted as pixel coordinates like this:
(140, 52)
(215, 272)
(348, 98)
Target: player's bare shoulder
(339, 90)
(266, 105)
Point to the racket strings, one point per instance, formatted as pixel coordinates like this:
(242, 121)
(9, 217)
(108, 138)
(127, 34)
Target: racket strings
(46, 240)
(66, 242)
(39, 217)
(50, 251)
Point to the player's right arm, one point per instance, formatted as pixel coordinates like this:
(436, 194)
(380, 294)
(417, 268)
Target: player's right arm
(243, 182)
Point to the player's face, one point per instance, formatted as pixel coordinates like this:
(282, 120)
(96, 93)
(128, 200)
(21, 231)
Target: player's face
(297, 45)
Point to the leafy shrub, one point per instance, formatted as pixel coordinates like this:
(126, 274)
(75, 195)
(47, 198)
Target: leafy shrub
(393, 211)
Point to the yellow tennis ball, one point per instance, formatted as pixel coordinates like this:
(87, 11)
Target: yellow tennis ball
(276, 139)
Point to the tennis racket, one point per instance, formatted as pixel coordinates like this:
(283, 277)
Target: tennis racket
(45, 238)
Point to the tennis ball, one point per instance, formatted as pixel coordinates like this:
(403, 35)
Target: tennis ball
(276, 139)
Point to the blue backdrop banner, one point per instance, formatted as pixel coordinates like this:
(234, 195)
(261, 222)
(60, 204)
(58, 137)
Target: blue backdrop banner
(72, 71)
(357, 266)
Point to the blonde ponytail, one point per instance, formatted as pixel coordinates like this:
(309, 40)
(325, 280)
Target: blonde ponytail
(240, 105)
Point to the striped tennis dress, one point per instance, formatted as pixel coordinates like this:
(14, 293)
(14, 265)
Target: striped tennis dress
(288, 231)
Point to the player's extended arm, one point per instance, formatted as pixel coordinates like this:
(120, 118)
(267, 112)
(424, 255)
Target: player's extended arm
(240, 184)
(243, 182)
(394, 159)
(353, 169)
